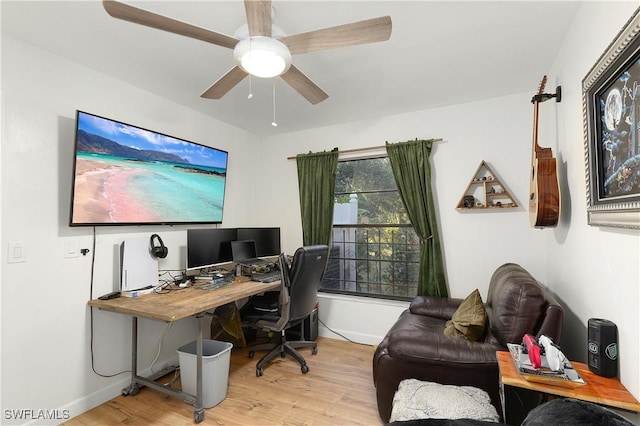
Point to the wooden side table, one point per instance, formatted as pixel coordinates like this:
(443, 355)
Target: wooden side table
(597, 389)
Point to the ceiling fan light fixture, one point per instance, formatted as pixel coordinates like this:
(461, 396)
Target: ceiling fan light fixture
(263, 57)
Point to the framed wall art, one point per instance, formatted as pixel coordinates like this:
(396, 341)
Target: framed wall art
(611, 112)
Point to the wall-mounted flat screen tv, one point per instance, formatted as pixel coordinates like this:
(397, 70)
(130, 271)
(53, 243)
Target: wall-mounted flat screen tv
(127, 175)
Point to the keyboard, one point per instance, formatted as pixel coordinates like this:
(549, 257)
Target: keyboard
(267, 277)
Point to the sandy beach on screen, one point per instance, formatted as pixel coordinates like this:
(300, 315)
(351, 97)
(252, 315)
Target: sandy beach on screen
(100, 192)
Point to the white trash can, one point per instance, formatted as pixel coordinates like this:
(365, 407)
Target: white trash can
(216, 356)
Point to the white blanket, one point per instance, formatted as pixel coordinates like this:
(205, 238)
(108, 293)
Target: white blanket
(415, 399)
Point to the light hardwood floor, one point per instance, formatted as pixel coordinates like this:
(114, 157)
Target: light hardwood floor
(338, 390)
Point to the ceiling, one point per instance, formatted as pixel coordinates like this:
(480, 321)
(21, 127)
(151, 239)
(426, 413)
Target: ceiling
(440, 53)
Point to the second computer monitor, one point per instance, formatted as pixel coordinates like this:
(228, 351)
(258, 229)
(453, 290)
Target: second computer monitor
(212, 246)
(267, 240)
(243, 250)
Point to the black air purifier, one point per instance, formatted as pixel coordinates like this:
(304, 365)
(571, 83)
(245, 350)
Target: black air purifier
(602, 347)
(311, 325)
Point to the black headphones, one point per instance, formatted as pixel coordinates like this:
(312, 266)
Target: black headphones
(158, 251)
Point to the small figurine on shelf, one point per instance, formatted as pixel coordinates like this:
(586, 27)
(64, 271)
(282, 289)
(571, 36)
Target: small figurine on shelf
(468, 201)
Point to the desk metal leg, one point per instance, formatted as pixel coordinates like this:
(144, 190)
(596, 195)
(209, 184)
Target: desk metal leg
(138, 381)
(133, 387)
(198, 414)
(517, 402)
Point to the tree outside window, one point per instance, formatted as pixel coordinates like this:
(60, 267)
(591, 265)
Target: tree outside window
(374, 251)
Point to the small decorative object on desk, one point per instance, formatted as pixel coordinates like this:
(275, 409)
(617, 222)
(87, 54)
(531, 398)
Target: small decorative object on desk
(564, 375)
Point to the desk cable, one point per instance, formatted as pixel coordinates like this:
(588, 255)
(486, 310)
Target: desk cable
(344, 337)
(93, 260)
(166, 329)
(172, 283)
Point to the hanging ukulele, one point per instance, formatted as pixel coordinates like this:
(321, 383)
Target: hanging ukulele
(544, 201)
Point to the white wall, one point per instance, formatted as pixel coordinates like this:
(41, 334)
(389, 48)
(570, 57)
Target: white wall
(45, 321)
(594, 270)
(475, 243)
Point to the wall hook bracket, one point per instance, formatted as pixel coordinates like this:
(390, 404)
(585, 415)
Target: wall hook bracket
(542, 97)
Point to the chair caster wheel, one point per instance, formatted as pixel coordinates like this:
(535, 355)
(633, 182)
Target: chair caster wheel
(198, 416)
(259, 372)
(251, 354)
(304, 369)
(314, 351)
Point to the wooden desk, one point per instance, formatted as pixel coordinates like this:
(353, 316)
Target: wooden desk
(174, 306)
(597, 389)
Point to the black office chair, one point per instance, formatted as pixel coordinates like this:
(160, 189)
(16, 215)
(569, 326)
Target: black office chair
(296, 300)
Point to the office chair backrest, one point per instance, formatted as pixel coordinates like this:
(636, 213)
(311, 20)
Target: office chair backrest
(284, 301)
(284, 298)
(305, 275)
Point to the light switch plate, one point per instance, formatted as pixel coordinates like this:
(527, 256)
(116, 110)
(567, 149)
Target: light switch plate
(71, 248)
(17, 252)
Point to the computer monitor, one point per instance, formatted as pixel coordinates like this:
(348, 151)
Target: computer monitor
(243, 250)
(267, 240)
(209, 247)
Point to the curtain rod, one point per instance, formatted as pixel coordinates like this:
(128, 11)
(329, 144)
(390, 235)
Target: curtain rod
(371, 148)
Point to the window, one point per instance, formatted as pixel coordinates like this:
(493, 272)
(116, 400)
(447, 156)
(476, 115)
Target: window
(375, 251)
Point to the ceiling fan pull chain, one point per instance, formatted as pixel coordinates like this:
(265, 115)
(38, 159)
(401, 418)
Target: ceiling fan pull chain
(273, 123)
(250, 88)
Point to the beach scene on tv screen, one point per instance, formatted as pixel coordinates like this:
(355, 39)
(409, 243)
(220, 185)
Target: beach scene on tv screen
(125, 174)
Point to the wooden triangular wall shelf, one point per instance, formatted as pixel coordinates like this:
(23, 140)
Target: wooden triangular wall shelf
(487, 192)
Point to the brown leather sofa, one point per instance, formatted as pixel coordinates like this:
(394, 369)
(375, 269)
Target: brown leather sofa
(416, 346)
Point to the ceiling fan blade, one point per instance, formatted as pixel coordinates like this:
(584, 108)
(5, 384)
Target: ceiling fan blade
(143, 17)
(303, 85)
(361, 32)
(258, 17)
(224, 83)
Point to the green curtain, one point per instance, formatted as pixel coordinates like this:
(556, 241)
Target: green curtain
(412, 171)
(317, 185)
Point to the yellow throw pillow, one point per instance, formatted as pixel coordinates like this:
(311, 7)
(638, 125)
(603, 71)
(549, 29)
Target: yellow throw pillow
(469, 320)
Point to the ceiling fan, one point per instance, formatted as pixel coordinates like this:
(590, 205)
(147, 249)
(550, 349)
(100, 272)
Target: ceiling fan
(264, 51)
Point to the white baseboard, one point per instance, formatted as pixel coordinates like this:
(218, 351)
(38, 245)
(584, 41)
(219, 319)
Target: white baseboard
(366, 339)
(101, 396)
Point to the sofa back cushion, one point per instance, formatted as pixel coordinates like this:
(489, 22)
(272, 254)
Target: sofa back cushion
(516, 304)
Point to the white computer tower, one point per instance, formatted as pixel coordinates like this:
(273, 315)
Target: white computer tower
(138, 266)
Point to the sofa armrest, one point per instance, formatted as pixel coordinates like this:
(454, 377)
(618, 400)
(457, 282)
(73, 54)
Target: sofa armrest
(437, 307)
(553, 320)
(428, 347)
